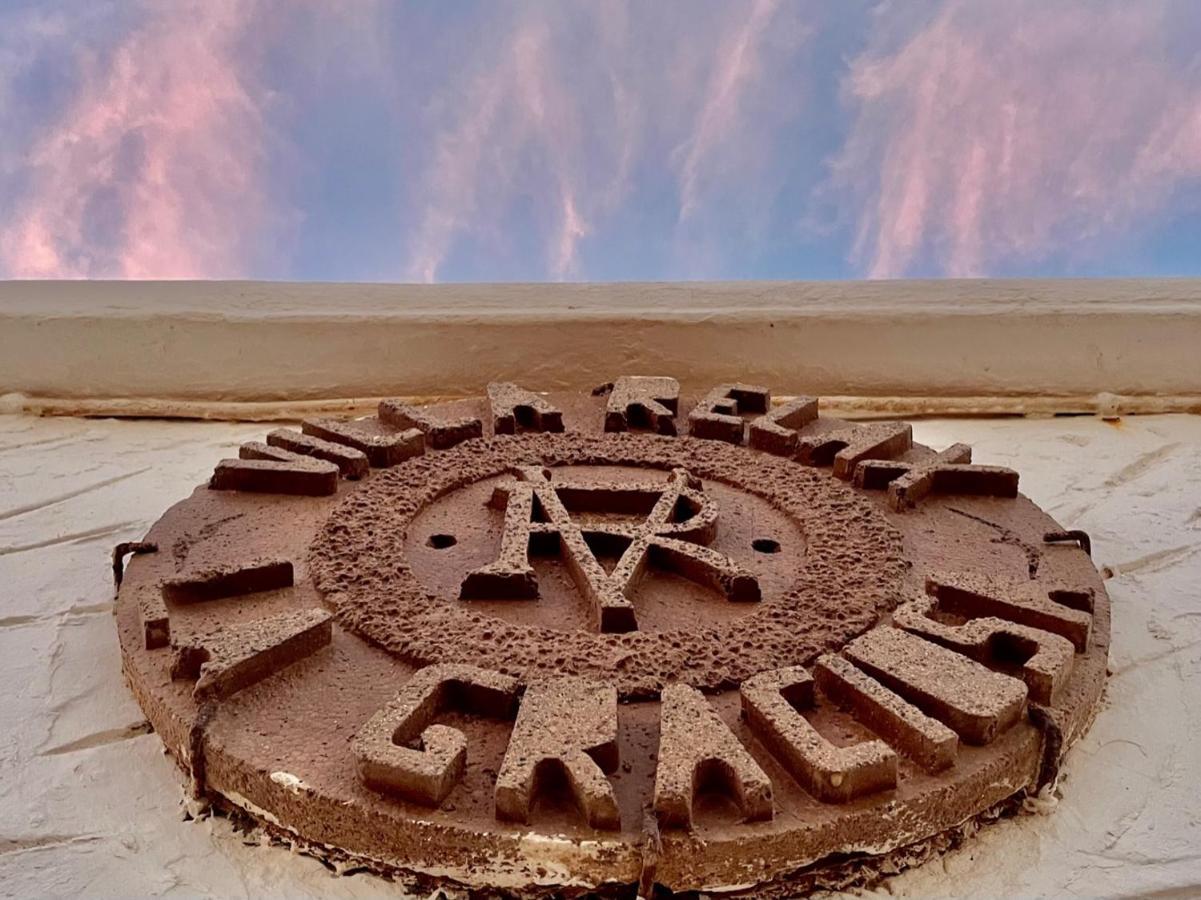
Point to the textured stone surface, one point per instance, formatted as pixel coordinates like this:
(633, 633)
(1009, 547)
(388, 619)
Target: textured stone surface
(772, 703)
(1135, 497)
(428, 772)
(351, 463)
(648, 402)
(719, 414)
(383, 448)
(618, 530)
(853, 570)
(292, 474)
(566, 728)
(845, 448)
(697, 749)
(776, 431)
(440, 432)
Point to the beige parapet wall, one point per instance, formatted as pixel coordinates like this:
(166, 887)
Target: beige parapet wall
(266, 349)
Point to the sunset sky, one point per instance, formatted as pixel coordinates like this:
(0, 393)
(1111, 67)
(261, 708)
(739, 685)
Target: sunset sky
(600, 140)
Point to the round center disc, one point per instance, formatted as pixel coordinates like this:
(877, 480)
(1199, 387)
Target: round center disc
(393, 560)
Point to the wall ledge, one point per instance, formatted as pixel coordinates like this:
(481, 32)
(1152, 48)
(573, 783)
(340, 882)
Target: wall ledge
(243, 349)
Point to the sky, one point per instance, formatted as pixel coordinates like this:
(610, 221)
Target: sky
(370, 140)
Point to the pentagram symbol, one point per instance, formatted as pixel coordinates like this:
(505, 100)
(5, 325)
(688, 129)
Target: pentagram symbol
(568, 518)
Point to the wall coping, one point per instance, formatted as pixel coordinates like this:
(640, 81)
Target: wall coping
(269, 349)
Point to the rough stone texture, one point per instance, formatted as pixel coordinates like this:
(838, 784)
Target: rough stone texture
(977, 703)
(428, 772)
(156, 621)
(852, 572)
(845, 448)
(296, 475)
(718, 416)
(776, 431)
(80, 744)
(1057, 608)
(679, 519)
(930, 743)
(226, 660)
(566, 728)
(228, 580)
(772, 702)
(262, 450)
(382, 448)
(948, 472)
(440, 433)
(351, 463)
(697, 749)
(648, 402)
(1043, 660)
(308, 710)
(515, 409)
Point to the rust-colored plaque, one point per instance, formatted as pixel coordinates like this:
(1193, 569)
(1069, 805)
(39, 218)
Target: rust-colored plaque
(539, 644)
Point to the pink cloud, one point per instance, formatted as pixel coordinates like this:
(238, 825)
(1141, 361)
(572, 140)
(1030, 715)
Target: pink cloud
(1015, 132)
(571, 231)
(454, 180)
(737, 64)
(578, 101)
(512, 114)
(154, 170)
(552, 117)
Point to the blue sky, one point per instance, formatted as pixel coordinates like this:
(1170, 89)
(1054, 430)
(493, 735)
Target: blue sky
(376, 141)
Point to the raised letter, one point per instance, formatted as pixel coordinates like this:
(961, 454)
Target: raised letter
(228, 580)
(226, 661)
(441, 434)
(770, 704)
(427, 773)
(977, 703)
(926, 741)
(849, 446)
(948, 472)
(515, 408)
(351, 462)
(643, 401)
(695, 748)
(567, 724)
(1045, 658)
(1058, 610)
(718, 417)
(383, 448)
(776, 432)
(263, 471)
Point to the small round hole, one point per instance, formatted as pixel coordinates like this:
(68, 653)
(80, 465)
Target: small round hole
(766, 545)
(442, 541)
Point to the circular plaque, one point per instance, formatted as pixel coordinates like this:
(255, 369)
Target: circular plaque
(533, 644)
